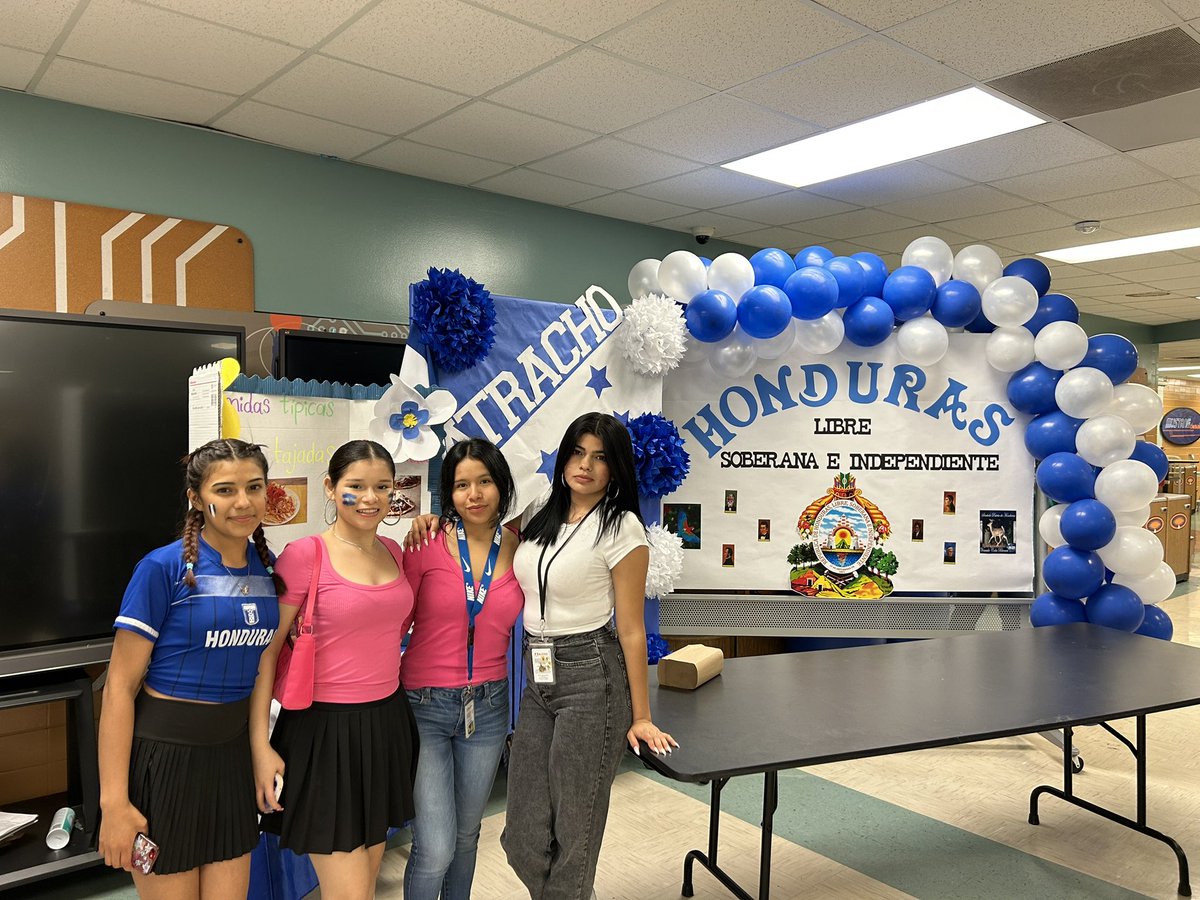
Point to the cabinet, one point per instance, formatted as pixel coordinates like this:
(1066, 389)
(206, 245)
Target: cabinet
(1171, 520)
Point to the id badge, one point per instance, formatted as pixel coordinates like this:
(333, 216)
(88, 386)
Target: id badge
(469, 716)
(541, 655)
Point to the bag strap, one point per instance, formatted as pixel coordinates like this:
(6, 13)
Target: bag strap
(305, 614)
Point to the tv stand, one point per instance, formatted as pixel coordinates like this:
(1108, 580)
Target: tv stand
(26, 858)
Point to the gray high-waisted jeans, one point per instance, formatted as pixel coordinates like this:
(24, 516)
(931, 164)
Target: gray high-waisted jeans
(568, 744)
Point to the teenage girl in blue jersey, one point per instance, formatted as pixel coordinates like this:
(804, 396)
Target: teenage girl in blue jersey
(174, 748)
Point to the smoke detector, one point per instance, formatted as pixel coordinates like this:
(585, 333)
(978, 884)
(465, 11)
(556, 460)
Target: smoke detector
(1087, 226)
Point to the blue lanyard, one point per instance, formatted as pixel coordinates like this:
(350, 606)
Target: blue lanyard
(475, 599)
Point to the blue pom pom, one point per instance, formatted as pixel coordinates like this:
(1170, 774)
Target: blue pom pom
(656, 647)
(659, 459)
(456, 317)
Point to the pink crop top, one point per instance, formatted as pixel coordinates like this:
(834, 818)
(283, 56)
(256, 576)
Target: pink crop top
(358, 627)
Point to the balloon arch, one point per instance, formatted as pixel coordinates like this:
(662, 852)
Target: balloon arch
(1104, 567)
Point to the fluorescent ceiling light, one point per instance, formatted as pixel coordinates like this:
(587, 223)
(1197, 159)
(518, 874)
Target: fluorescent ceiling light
(960, 118)
(1135, 246)
(1178, 368)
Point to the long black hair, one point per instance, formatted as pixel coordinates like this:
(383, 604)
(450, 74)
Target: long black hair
(356, 451)
(621, 496)
(492, 459)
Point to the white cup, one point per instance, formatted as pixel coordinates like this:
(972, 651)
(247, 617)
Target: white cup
(59, 834)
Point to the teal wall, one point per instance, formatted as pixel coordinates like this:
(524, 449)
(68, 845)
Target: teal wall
(330, 238)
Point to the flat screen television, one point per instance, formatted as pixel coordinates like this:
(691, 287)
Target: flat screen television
(333, 356)
(95, 420)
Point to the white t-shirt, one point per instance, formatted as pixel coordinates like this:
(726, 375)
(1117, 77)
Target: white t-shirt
(579, 584)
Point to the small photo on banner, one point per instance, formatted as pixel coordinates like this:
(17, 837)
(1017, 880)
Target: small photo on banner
(997, 530)
(683, 521)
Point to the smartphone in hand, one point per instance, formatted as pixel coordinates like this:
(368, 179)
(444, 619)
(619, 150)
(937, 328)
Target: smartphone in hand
(145, 852)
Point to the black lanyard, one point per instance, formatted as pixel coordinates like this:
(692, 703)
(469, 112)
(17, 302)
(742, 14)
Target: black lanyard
(544, 577)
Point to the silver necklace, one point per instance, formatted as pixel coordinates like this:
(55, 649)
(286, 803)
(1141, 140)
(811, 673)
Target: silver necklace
(370, 549)
(243, 587)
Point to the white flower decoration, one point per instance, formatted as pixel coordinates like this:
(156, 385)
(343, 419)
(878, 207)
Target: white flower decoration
(402, 420)
(666, 561)
(653, 336)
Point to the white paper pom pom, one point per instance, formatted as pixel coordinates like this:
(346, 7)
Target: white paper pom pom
(666, 561)
(653, 335)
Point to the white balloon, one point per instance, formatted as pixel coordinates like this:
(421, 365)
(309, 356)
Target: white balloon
(1132, 551)
(1126, 484)
(773, 348)
(821, 335)
(731, 273)
(694, 351)
(1048, 525)
(1136, 517)
(1153, 588)
(1137, 404)
(1060, 345)
(923, 341)
(682, 275)
(1009, 349)
(1083, 393)
(931, 254)
(1104, 439)
(979, 265)
(1010, 301)
(643, 279)
(733, 356)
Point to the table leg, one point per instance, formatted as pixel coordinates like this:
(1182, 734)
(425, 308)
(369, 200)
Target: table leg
(709, 861)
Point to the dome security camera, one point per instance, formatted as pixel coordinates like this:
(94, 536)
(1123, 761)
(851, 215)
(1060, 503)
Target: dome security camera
(703, 233)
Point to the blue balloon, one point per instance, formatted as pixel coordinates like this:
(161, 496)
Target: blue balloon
(1073, 573)
(957, 304)
(868, 322)
(772, 266)
(1146, 452)
(1051, 609)
(1109, 575)
(1087, 524)
(813, 256)
(981, 324)
(909, 291)
(1066, 477)
(851, 279)
(1051, 433)
(1032, 270)
(813, 292)
(1053, 308)
(1113, 355)
(1115, 606)
(1156, 624)
(710, 316)
(764, 311)
(1031, 390)
(707, 262)
(877, 272)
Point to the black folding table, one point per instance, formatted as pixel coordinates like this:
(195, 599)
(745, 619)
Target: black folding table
(768, 713)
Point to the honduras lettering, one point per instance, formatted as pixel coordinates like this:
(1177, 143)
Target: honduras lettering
(238, 637)
(715, 425)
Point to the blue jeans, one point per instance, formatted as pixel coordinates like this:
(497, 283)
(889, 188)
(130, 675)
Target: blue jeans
(454, 781)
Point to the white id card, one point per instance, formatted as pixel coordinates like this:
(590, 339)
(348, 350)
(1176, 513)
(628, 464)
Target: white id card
(541, 655)
(469, 717)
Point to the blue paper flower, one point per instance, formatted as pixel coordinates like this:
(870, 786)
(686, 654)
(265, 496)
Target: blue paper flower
(456, 317)
(656, 647)
(409, 420)
(658, 455)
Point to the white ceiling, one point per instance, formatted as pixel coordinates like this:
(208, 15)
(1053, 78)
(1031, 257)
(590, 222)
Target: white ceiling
(626, 108)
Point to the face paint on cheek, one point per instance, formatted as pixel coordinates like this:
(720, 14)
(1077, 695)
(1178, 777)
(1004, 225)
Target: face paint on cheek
(349, 500)
(212, 510)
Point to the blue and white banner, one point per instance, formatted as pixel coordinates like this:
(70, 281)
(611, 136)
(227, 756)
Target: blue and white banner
(551, 362)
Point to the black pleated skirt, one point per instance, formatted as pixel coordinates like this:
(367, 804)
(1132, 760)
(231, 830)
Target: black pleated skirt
(349, 774)
(191, 776)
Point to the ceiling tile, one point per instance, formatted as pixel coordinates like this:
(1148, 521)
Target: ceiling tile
(725, 225)
(717, 129)
(1011, 221)
(858, 222)
(880, 14)
(976, 199)
(1113, 172)
(787, 208)
(614, 164)
(722, 44)
(709, 188)
(788, 239)
(1030, 33)
(1042, 147)
(539, 186)
(496, 132)
(97, 86)
(17, 67)
(1180, 270)
(1185, 9)
(888, 183)
(631, 207)
(445, 43)
(853, 82)
(1152, 223)
(1057, 238)
(1192, 181)
(134, 38)
(582, 21)
(365, 98)
(596, 90)
(1178, 159)
(431, 162)
(1134, 263)
(897, 241)
(35, 26)
(1190, 285)
(300, 132)
(1129, 201)
(299, 22)
(1067, 283)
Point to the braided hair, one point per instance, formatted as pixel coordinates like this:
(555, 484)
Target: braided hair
(197, 464)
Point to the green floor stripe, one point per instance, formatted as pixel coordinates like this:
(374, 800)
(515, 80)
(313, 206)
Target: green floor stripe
(908, 851)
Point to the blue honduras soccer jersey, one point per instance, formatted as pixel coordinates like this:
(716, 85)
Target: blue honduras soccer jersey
(207, 639)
